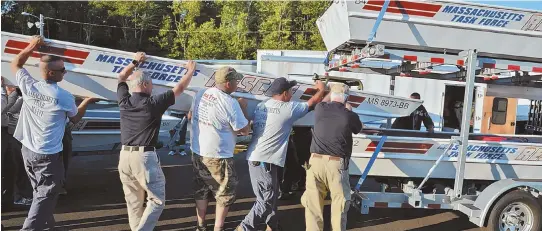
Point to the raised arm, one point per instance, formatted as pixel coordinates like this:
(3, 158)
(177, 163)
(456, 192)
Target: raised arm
(317, 98)
(19, 60)
(82, 109)
(243, 103)
(128, 70)
(185, 80)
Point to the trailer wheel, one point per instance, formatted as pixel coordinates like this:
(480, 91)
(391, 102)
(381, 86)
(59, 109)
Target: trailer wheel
(516, 211)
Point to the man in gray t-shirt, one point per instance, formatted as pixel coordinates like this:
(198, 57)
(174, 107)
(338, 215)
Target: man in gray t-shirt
(272, 123)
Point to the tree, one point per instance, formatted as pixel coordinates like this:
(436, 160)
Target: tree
(276, 24)
(308, 13)
(176, 27)
(139, 15)
(221, 29)
(205, 43)
(238, 23)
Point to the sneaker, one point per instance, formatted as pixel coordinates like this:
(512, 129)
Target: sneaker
(183, 153)
(23, 201)
(201, 228)
(171, 153)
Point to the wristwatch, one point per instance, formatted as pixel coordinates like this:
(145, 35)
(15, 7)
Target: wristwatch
(135, 62)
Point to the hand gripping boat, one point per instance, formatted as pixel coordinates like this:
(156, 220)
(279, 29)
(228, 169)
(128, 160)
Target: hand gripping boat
(92, 71)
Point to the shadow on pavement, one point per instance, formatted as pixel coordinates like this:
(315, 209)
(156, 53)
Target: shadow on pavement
(95, 201)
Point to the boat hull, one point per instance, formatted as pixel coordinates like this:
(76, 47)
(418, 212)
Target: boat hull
(413, 157)
(93, 71)
(99, 132)
(438, 26)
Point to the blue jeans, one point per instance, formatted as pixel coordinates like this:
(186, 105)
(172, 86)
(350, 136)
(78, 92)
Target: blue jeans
(46, 174)
(266, 187)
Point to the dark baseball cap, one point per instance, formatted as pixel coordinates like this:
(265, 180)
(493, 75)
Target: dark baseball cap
(280, 85)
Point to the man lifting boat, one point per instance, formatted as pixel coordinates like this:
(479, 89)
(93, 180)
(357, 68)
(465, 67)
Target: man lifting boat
(331, 148)
(140, 119)
(273, 122)
(216, 119)
(40, 128)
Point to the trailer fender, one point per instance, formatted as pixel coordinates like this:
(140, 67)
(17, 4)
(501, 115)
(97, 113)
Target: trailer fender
(490, 195)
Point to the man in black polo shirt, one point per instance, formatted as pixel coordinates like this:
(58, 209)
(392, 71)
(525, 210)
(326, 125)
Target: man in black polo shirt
(331, 148)
(140, 119)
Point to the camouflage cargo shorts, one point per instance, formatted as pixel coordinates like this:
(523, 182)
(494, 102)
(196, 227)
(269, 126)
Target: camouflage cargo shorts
(216, 175)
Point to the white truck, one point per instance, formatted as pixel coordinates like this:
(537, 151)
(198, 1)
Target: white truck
(496, 180)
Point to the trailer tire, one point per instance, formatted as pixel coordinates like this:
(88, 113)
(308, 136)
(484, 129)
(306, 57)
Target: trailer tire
(525, 206)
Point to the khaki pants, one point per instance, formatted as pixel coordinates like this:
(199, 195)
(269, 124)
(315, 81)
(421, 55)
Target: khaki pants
(140, 172)
(325, 174)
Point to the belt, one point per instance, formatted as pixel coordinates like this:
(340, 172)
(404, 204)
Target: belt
(138, 148)
(336, 158)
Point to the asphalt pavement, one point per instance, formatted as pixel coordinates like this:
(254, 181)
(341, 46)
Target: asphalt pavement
(95, 201)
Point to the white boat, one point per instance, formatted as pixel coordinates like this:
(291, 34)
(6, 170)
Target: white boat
(92, 71)
(421, 36)
(434, 26)
(98, 132)
(408, 154)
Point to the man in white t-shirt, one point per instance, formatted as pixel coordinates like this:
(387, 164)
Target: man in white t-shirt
(272, 125)
(216, 120)
(40, 128)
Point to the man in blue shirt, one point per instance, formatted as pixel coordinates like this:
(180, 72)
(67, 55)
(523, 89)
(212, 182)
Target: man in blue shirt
(273, 122)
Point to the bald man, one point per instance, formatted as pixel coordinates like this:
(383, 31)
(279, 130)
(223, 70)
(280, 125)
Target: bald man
(45, 111)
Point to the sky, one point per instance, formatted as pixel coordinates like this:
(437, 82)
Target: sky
(532, 4)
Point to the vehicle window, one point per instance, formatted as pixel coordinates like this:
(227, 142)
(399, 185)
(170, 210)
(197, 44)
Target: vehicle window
(500, 106)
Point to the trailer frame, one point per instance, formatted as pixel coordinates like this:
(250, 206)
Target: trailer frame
(472, 66)
(477, 207)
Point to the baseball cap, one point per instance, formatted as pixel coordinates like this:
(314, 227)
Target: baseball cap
(226, 74)
(340, 88)
(280, 85)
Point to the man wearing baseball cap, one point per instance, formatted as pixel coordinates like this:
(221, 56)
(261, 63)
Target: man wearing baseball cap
(331, 148)
(216, 119)
(273, 122)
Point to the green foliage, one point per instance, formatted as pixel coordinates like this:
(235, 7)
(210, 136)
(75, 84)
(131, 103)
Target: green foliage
(221, 29)
(237, 17)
